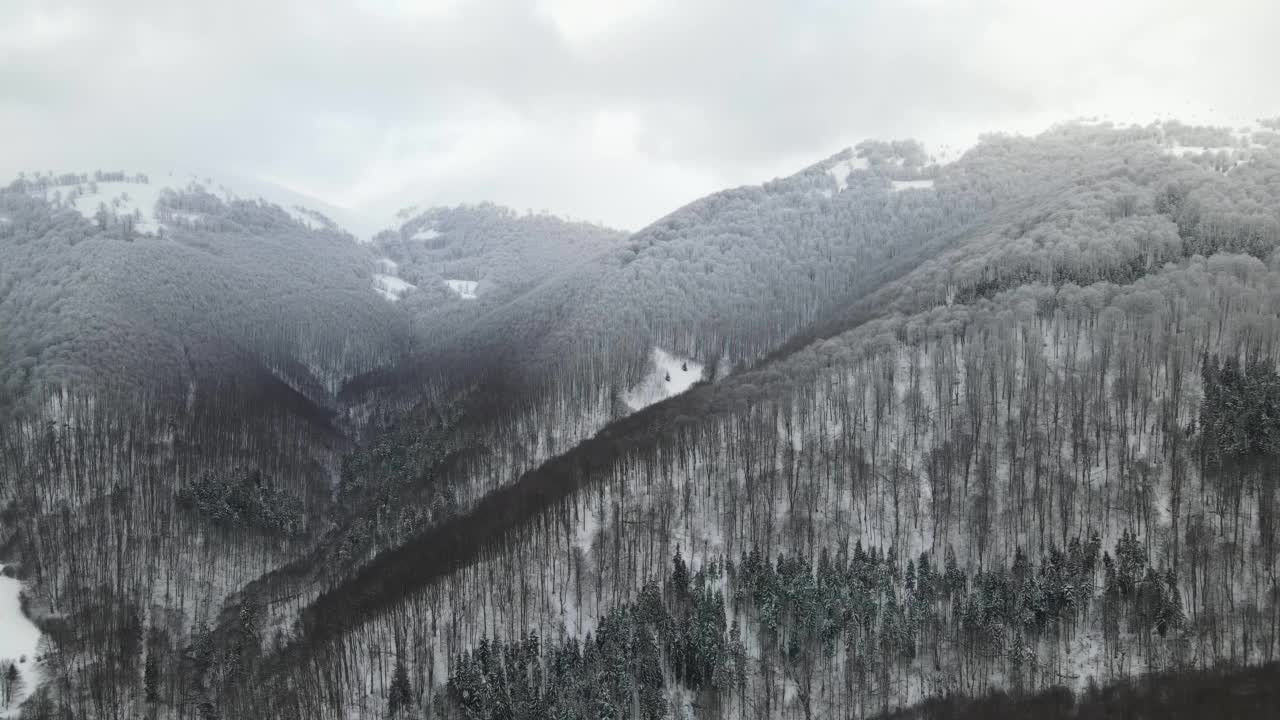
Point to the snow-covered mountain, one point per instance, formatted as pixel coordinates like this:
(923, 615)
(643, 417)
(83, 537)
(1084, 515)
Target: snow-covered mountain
(880, 431)
(158, 281)
(965, 460)
(137, 194)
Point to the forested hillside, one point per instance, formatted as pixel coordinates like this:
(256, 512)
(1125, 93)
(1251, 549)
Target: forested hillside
(175, 424)
(503, 253)
(104, 303)
(1007, 424)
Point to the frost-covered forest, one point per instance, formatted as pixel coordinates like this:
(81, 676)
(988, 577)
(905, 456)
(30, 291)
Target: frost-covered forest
(884, 438)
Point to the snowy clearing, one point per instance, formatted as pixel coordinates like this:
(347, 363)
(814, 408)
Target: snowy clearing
(19, 639)
(466, 289)
(119, 198)
(900, 185)
(391, 287)
(670, 376)
(426, 234)
(840, 171)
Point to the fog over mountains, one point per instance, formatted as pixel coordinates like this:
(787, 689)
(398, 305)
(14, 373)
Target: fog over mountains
(893, 435)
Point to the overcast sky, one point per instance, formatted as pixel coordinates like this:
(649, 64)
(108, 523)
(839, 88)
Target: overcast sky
(603, 110)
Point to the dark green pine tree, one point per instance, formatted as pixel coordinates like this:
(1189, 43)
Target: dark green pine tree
(648, 663)
(130, 641)
(11, 684)
(401, 695)
(151, 676)
(680, 575)
(953, 579)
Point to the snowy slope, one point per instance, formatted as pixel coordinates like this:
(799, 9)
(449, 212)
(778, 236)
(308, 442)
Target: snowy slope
(19, 639)
(391, 287)
(387, 282)
(122, 199)
(671, 375)
(841, 171)
(900, 185)
(138, 198)
(466, 289)
(300, 205)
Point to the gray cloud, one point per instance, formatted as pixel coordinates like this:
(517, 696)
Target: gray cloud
(607, 111)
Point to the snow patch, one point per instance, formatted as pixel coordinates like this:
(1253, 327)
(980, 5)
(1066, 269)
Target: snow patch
(307, 210)
(466, 289)
(1194, 150)
(19, 641)
(191, 217)
(841, 171)
(426, 234)
(391, 287)
(122, 199)
(388, 266)
(671, 375)
(900, 185)
(1223, 158)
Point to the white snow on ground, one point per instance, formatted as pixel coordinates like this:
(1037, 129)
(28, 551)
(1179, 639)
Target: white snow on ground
(19, 638)
(900, 185)
(120, 198)
(1193, 150)
(670, 376)
(305, 210)
(191, 217)
(226, 185)
(388, 265)
(1224, 158)
(426, 234)
(466, 289)
(1085, 660)
(391, 287)
(840, 171)
(363, 225)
